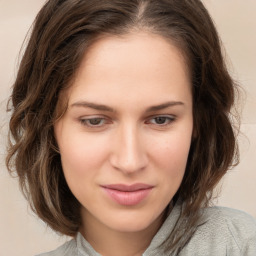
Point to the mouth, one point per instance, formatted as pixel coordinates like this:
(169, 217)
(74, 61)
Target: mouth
(128, 195)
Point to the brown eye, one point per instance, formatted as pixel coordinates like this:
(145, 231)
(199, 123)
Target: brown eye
(93, 121)
(161, 120)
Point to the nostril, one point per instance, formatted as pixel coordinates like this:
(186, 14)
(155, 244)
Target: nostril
(129, 161)
(129, 166)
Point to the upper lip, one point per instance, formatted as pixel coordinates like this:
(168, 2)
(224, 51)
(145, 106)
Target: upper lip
(128, 188)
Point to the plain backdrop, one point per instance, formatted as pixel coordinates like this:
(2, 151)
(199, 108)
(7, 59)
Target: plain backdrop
(22, 233)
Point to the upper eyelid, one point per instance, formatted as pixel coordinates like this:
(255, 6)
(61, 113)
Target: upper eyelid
(93, 117)
(84, 122)
(87, 117)
(162, 115)
(171, 118)
(107, 121)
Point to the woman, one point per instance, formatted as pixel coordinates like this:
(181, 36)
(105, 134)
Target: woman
(121, 129)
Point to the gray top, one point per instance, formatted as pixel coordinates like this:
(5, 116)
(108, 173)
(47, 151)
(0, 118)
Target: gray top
(225, 232)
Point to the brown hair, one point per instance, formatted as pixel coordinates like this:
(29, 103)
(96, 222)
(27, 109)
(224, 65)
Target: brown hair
(62, 33)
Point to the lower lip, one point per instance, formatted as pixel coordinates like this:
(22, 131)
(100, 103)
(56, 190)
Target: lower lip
(127, 198)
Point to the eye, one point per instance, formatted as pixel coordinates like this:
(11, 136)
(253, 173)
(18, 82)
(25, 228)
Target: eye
(161, 120)
(93, 122)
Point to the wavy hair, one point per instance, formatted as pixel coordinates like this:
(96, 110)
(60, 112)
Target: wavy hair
(62, 32)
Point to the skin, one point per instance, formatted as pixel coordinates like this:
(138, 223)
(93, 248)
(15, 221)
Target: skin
(126, 142)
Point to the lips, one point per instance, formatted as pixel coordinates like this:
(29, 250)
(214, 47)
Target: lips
(128, 195)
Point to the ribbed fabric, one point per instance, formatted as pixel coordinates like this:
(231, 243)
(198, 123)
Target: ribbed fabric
(224, 232)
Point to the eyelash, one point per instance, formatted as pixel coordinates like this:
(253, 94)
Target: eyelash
(86, 122)
(168, 119)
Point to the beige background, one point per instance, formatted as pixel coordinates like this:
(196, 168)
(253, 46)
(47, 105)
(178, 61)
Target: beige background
(21, 233)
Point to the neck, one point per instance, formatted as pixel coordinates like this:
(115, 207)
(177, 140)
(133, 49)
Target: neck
(109, 242)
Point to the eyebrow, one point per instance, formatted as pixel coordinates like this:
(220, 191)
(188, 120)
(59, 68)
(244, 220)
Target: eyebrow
(87, 104)
(164, 106)
(102, 107)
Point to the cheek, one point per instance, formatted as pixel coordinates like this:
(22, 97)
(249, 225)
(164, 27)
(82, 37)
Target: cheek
(169, 156)
(82, 160)
(171, 150)
(81, 154)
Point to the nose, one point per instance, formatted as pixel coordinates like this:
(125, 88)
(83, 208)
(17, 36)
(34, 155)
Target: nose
(129, 153)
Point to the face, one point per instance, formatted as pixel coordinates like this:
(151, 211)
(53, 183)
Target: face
(125, 137)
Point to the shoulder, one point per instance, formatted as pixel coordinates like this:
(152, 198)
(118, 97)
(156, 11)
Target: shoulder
(239, 224)
(67, 249)
(223, 231)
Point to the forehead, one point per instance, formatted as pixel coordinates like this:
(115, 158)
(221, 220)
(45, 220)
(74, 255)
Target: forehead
(133, 51)
(132, 65)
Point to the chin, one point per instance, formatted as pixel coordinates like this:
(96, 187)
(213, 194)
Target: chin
(130, 222)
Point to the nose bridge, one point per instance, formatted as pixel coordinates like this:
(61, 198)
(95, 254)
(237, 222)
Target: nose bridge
(129, 153)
